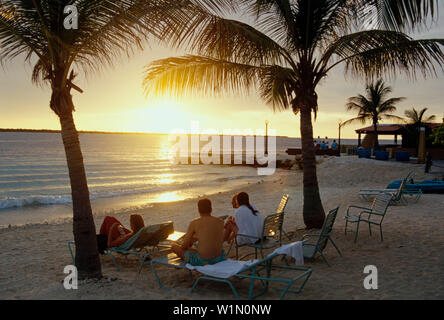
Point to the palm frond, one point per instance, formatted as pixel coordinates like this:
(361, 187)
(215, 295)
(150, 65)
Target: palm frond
(417, 116)
(106, 30)
(360, 119)
(359, 103)
(190, 75)
(377, 52)
(207, 34)
(19, 33)
(389, 105)
(275, 18)
(393, 118)
(277, 86)
(399, 56)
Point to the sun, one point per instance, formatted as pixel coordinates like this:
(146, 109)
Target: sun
(164, 116)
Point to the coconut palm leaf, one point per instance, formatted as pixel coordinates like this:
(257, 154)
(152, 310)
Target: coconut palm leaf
(376, 52)
(227, 39)
(276, 86)
(417, 116)
(361, 119)
(393, 117)
(188, 75)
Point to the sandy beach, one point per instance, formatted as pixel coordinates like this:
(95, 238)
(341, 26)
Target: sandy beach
(409, 261)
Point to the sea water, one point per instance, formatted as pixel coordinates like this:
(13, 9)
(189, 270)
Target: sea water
(124, 172)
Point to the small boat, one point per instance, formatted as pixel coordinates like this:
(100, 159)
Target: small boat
(426, 186)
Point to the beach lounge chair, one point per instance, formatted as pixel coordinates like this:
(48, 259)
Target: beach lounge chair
(426, 186)
(398, 194)
(146, 242)
(310, 250)
(373, 215)
(257, 270)
(271, 236)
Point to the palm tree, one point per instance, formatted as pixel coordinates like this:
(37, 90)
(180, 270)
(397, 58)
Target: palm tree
(416, 117)
(373, 107)
(295, 45)
(415, 120)
(34, 30)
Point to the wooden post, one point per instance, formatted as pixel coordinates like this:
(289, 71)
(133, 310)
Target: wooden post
(359, 139)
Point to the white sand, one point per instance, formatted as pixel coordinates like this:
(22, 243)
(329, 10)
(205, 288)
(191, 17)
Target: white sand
(409, 261)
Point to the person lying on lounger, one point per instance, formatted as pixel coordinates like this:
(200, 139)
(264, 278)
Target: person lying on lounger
(210, 233)
(115, 231)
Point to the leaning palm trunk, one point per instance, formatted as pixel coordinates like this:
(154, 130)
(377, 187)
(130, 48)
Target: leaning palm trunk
(87, 258)
(313, 212)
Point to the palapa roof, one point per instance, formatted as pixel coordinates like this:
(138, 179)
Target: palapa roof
(382, 129)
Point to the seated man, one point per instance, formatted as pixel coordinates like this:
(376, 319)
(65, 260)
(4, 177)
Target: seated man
(210, 233)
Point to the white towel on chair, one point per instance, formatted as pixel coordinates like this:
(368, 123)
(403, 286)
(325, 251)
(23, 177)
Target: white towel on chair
(223, 269)
(293, 250)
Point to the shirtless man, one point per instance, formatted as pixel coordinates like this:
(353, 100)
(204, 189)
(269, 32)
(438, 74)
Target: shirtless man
(210, 233)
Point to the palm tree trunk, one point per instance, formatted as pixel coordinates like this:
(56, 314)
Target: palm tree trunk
(376, 143)
(313, 211)
(87, 258)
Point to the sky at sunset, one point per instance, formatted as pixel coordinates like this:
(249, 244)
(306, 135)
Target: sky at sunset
(114, 101)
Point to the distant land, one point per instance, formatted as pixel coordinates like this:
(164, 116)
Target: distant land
(80, 131)
(86, 131)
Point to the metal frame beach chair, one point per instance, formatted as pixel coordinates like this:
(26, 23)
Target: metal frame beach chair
(323, 237)
(146, 242)
(271, 236)
(375, 214)
(252, 272)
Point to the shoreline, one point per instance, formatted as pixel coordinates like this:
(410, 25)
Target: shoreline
(146, 207)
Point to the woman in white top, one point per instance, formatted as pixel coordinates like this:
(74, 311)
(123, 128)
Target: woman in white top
(248, 220)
